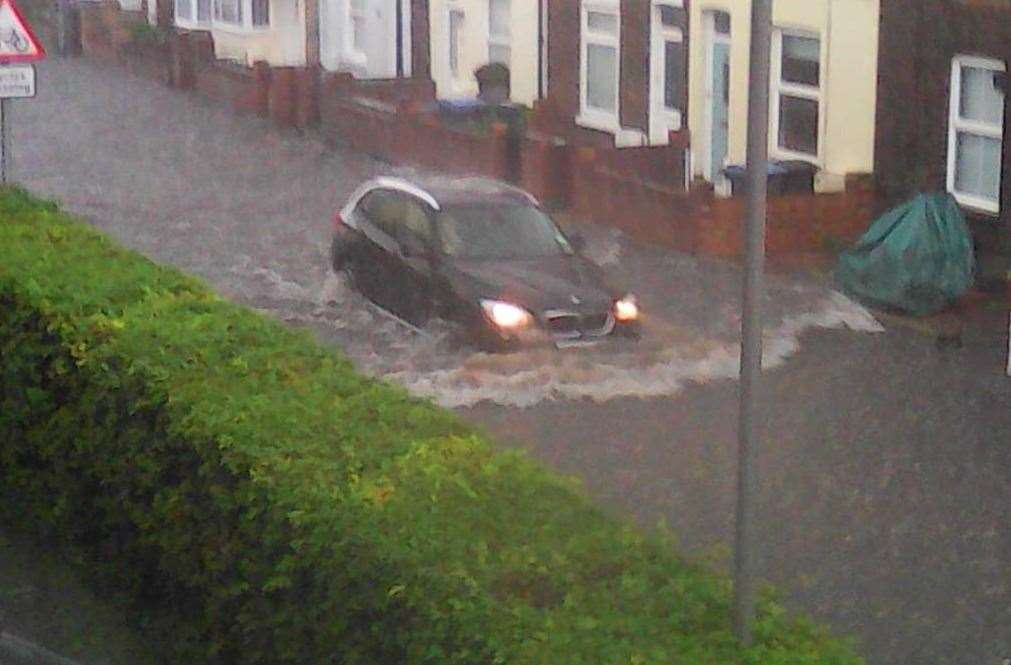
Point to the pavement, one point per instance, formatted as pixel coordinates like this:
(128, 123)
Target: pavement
(884, 467)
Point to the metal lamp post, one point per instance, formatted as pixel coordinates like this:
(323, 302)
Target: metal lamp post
(751, 317)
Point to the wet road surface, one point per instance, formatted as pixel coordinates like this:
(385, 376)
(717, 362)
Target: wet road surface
(884, 465)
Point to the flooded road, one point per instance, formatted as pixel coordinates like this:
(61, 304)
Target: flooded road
(885, 474)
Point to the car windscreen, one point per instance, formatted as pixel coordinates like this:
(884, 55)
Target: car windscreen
(499, 232)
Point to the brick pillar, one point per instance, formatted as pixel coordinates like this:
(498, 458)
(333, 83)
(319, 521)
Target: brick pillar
(282, 96)
(582, 180)
(307, 96)
(182, 65)
(545, 169)
(262, 72)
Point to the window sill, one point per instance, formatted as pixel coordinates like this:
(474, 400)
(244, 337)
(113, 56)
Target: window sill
(623, 138)
(976, 205)
(187, 24)
(786, 155)
(234, 29)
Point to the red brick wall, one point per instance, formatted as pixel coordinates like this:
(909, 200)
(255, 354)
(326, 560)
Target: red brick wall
(918, 40)
(412, 92)
(104, 29)
(546, 169)
(795, 224)
(563, 68)
(698, 223)
(414, 138)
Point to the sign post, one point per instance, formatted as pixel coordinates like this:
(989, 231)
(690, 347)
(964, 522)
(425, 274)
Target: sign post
(19, 47)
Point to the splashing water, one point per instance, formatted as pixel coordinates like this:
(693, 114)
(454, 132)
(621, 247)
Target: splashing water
(668, 357)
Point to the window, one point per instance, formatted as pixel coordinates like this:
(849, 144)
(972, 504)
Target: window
(357, 26)
(456, 17)
(243, 14)
(499, 42)
(975, 132)
(599, 63)
(228, 11)
(261, 13)
(796, 94)
(187, 9)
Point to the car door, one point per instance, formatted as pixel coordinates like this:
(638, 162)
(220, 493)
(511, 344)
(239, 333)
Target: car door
(416, 238)
(373, 264)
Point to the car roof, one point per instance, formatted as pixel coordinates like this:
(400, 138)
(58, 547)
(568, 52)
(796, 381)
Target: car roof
(440, 191)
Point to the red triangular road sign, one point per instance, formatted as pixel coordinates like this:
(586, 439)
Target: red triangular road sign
(17, 41)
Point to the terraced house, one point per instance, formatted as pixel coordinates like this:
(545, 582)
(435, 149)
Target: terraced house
(942, 114)
(823, 86)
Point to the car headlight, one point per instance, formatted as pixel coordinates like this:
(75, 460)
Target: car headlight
(506, 315)
(626, 308)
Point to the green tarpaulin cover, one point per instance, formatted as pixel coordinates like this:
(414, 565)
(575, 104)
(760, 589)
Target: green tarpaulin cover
(917, 257)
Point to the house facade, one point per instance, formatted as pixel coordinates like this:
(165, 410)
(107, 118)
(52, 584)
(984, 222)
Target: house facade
(617, 69)
(372, 39)
(943, 116)
(823, 86)
(247, 31)
(466, 34)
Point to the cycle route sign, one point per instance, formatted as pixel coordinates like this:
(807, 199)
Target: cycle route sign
(18, 44)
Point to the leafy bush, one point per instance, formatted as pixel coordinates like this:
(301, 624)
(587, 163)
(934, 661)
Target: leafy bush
(283, 509)
(143, 33)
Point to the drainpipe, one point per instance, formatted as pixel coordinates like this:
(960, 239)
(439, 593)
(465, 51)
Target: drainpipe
(541, 40)
(312, 33)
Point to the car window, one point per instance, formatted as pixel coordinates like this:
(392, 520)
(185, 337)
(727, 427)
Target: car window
(499, 231)
(417, 223)
(383, 208)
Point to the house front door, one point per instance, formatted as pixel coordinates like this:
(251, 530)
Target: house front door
(369, 38)
(718, 93)
(667, 73)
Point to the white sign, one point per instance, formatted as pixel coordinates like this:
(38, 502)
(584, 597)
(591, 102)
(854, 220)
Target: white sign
(17, 81)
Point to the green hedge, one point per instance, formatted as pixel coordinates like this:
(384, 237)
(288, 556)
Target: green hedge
(284, 509)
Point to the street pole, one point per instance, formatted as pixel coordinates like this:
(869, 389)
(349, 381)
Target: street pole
(3, 140)
(751, 316)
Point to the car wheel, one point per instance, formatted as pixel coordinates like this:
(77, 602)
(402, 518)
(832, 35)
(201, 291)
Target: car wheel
(338, 254)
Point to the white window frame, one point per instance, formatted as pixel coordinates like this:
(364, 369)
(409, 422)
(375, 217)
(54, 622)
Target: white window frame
(956, 124)
(588, 116)
(503, 41)
(351, 54)
(780, 88)
(245, 24)
(669, 119)
(193, 23)
(456, 75)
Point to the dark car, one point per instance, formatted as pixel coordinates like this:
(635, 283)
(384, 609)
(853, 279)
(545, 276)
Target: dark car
(480, 253)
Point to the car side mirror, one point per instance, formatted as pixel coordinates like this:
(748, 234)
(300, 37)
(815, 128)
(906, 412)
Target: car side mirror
(577, 241)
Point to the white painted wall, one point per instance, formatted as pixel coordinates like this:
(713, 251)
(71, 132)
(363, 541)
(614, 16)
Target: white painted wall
(379, 57)
(474, 49)
(282, 44)
(848, 30)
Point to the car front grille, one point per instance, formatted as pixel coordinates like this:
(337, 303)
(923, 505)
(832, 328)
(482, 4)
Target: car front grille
(572, 325)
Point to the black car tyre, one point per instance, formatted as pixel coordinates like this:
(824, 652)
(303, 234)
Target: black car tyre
(339, 253)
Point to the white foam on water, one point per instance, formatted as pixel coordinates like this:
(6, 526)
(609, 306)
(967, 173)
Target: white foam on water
(605, 250)
(527, 378)
(665, 361)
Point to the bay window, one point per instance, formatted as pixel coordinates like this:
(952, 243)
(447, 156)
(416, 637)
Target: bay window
(975, 132)
(796, 94)
(599, 63)
(499, 35)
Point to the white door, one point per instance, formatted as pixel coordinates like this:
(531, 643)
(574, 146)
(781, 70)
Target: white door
(717, 93)
(362, 37)
(667, 82)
